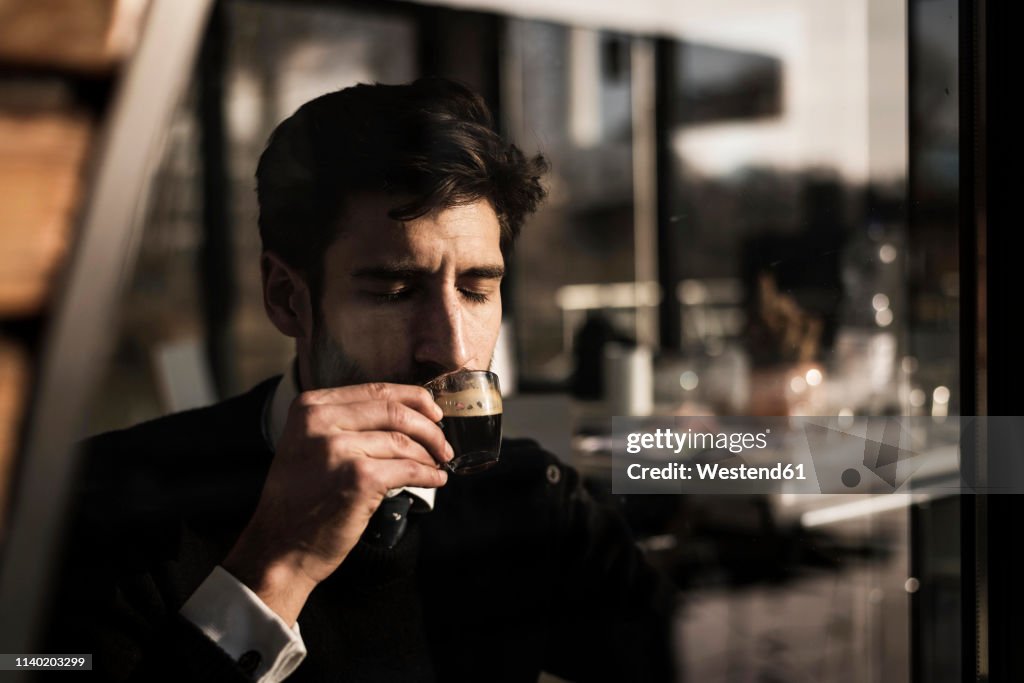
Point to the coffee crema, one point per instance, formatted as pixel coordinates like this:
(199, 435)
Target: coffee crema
(470, 403)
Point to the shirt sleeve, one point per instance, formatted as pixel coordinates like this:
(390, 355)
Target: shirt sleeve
(252, 634)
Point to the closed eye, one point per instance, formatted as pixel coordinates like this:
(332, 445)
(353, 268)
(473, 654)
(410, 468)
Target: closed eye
(475, 297)
(391, 297)
(399, 295)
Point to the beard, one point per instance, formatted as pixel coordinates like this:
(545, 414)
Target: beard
(331, 366)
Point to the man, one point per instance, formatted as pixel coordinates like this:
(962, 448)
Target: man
(305, 530)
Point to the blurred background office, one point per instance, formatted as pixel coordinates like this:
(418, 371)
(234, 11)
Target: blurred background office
(755, 209)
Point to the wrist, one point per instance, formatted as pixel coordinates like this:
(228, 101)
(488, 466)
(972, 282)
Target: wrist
(281, 584)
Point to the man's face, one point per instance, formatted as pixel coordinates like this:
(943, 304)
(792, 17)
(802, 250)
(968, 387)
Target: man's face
(405, 302)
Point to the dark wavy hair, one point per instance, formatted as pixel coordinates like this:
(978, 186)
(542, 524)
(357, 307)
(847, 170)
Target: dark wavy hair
(429, 145)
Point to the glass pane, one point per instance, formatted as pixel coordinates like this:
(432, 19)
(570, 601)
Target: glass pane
(808, 261)
(806, 181)
(571, 100)
(802, 282)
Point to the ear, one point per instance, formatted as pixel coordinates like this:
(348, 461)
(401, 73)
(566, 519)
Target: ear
(286, 297)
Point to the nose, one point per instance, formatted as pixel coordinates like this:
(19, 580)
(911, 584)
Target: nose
(441, 334)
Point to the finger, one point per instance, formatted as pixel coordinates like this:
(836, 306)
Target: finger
(400, 472)
(417, 398)
(388, 416)
(386, 445)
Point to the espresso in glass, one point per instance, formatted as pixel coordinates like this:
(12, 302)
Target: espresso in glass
(471, 402)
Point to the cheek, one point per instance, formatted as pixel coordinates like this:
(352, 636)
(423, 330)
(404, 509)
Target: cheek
(375, 337)
(482, 332)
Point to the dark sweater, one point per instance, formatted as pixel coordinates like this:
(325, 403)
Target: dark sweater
(517, 570)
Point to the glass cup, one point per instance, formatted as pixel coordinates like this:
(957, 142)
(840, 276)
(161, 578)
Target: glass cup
(471, 401)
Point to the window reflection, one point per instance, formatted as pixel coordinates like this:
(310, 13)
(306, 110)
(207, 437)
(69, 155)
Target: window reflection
(805, 263)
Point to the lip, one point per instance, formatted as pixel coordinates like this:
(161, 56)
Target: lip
(460, 371)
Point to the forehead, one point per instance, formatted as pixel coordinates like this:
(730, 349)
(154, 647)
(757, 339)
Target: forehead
(464, 232)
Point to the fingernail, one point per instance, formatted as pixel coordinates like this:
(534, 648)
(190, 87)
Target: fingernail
(449, 451)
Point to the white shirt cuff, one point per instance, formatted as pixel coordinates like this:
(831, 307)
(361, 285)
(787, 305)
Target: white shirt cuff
(235, 618)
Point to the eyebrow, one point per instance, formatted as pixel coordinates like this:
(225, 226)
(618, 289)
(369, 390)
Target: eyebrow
(401, 272)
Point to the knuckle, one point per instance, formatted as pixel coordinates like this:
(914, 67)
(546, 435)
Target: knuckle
(308, 418)
(400, 441)
(414, 469)
(378, 390)
(305, 399)
(338, 444)
(362, 473)
(396, 413)
(328, 448)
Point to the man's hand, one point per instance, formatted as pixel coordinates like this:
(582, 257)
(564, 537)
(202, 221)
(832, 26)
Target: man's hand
(341, 451)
